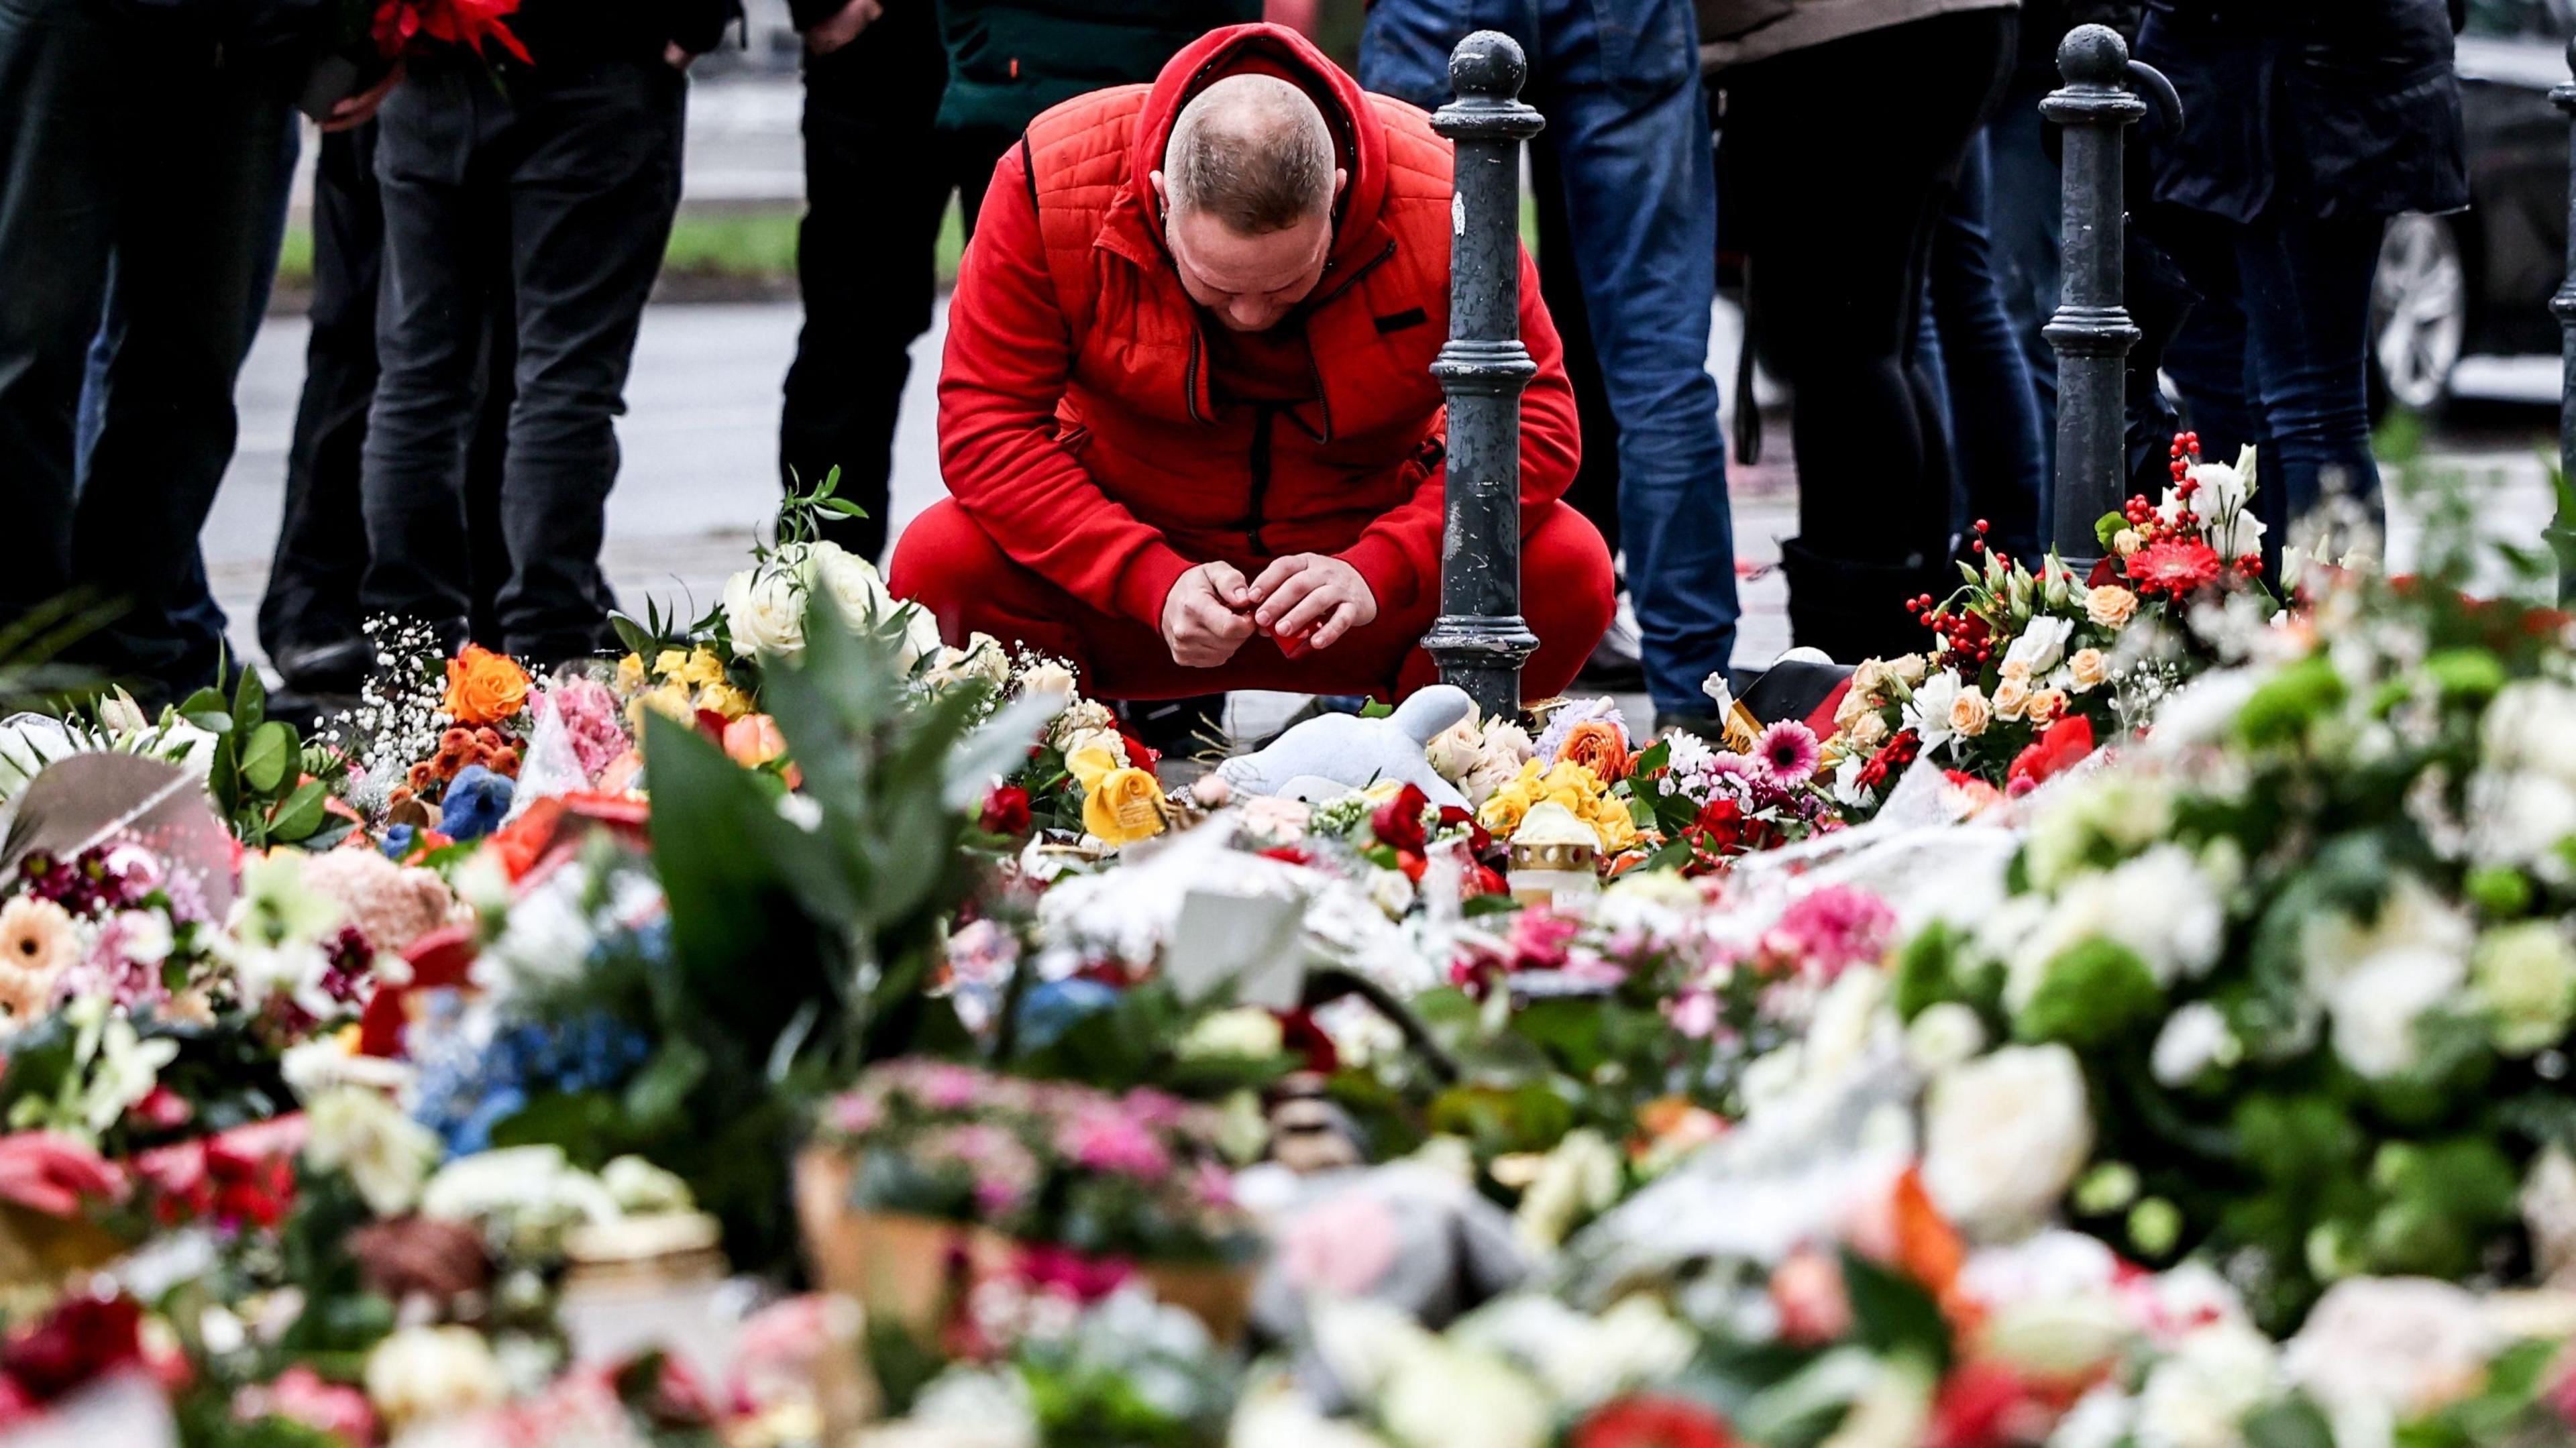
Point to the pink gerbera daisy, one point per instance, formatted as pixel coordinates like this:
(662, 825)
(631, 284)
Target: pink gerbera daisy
(1788, 753)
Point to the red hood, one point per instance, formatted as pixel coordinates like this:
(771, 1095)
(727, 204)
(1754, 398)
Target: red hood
(1264, 49)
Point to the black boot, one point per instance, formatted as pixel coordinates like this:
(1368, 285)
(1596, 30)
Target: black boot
(1855, 611)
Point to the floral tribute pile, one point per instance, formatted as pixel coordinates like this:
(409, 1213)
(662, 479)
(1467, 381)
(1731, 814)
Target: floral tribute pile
(2140, 1018)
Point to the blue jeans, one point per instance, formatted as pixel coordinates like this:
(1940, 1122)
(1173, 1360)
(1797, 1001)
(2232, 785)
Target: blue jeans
(2275, 352)
(2025, 212)
(1975, 359)
(1618, 81)
(198, 621)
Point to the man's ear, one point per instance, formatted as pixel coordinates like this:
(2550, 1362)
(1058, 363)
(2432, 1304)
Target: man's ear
(1162, 196)
(1341, 181)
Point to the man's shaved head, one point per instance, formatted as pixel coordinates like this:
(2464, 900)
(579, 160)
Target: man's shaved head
(1253, 151)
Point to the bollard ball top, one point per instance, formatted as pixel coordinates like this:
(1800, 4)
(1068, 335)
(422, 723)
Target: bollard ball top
(1488, 63)
(2093, 55)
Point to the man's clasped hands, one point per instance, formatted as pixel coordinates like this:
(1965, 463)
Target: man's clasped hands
(1304, 601)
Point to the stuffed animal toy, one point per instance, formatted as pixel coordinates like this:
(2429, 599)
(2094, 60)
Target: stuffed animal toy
(1355, 753)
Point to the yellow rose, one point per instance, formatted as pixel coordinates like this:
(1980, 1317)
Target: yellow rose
(1870, 677)
(703, 668)
(724, 699)
(670, 697)
(1855, 706)
(1868, 731)
(2012, 696)
(1505, 807)
(2046, 705)
(2126, 542)
(1091, 763)
(1970, 713)
(670, 662)
(630, 674)
(2110, 605)
(2088, 668)
(2014, 669)
(1616, 827)
(1909, 669)
(1125, 806)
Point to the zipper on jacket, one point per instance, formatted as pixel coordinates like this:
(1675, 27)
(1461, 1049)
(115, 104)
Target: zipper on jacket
(1264, 414)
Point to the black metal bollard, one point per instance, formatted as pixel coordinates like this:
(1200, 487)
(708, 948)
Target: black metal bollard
(2092, 331)
(1480, 638)
(2562, 530)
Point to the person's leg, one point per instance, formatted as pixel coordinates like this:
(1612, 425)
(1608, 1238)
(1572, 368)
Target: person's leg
(429, 329)
(1405, 45)
(1641, 200)
(876, 189)
(309, 620)
(2026, 210)
(1835, 274)
(1992, 407)
(970, 153)
(2306, 293)
(1567, 599)
(591, 203)
(1595, 490)
(61, 69)
(191, 246)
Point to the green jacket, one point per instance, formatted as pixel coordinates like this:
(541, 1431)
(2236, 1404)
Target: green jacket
(1010, 59)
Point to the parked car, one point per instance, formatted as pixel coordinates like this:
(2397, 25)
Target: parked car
(2478, 283)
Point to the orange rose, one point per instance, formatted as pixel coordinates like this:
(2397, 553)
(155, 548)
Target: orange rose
(753, 740)
(484, 687)
(1596, 745)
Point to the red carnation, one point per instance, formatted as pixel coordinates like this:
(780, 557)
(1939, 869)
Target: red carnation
(1398, 822)
(1139, 756)
(1006, 811)
(79, 1340)
(1650, 1421)
(2065, 744)
(2174, 568)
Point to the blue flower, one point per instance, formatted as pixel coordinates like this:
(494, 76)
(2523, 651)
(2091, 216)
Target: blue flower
(474, 803)
(1050, 1010)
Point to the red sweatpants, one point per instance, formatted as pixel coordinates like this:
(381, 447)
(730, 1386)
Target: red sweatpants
(949, 565)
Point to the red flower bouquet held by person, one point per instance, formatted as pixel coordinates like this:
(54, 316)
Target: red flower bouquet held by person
(402, 27)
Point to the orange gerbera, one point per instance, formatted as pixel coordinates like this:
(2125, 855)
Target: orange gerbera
(484, 687)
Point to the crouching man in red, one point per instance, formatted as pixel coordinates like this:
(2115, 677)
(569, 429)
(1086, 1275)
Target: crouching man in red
(1191, 437)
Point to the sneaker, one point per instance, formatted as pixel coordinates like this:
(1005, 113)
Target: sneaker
(1617, 665)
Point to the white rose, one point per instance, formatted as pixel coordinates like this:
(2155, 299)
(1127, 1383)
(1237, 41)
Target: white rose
(1453, 752)
(429, 1372)
(1928, 712)
(2377, 981)
(1446, 1396)
(1277, 1415)
(1048, 677)
(2376, 1350)
(860, 593)
(2003, 1138)
(642, 1189)
(764, 610)
(29, 742)
(1943, 1036)
(2199, 1396)
(2041, 644)
(2194, 1039)
(1247, 1032)
(1106, 739)
(385, 1153)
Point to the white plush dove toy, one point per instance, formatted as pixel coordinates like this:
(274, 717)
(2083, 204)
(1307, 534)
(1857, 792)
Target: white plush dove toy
(1354, 752)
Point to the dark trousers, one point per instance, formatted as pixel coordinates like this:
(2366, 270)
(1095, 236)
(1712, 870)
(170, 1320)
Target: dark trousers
(1837, 255)
(314, 577)
(2274, 353)
(1620, 87)
(558, 196)
(1979, 374)
(878, 175)
(122, 153)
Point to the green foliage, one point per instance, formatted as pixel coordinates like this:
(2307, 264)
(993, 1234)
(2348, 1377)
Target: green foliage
(269, 788)
(2091, 995)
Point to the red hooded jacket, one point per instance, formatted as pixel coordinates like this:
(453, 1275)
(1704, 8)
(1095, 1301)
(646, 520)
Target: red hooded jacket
(1076, 422)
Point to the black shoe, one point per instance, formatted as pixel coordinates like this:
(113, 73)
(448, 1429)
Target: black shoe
(339, 666)
(1854, 611)
(1176, 728)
